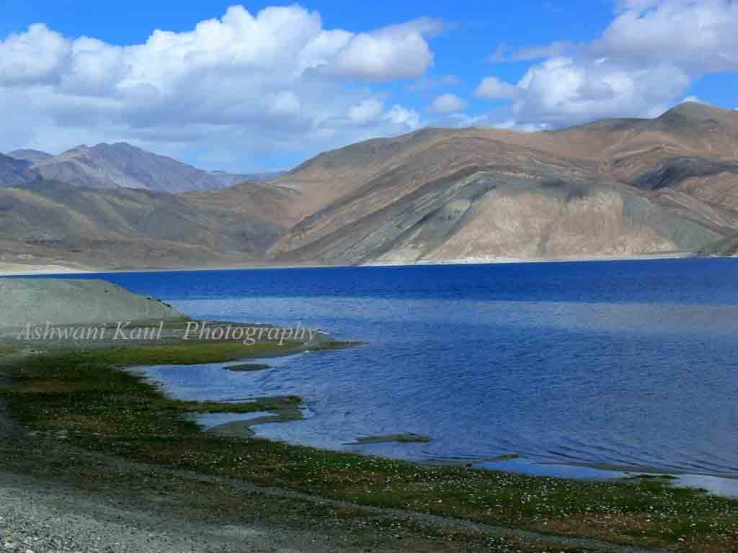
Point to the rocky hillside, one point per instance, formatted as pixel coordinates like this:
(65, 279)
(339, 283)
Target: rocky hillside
(126, 228)
(610, 188)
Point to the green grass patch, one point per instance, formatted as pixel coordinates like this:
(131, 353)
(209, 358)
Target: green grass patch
(194, 353)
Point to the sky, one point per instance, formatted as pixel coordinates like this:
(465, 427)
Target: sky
(263, 86)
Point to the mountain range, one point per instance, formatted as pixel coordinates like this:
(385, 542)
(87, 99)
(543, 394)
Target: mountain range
(119, 166)
(616, 187)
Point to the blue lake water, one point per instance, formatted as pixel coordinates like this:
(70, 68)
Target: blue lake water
(624, 365)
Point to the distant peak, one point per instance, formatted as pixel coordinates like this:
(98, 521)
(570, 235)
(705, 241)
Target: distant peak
(695, 110)
(29, 155)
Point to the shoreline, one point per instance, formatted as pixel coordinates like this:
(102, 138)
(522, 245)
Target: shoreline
(49, 394)
(19, 269)
(718, 484)
(13, 270)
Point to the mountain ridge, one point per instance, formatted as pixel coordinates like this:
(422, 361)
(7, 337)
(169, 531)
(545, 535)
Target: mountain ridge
(133, 228)
(606, 163)
(616, 187)
(122, 165)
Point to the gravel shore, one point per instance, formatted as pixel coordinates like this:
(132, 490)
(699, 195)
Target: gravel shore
(44, 519)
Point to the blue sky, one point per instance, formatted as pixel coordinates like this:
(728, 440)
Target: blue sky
(265, 85)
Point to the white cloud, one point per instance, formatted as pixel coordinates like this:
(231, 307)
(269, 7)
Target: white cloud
(699, 36)
(493, 88)
(272, 81)
(448, 103)
(644, 62)
(564, 90)
(513, 125)
(392, 53)
(399, 115)
(695, 99)
(35, 56)
(366, 111)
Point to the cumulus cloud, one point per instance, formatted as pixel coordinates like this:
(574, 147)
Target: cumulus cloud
(35, 56)
(392, 53)
(697, 36)
(565, 90)
(695, 99)
(448, 103)
(643, 63)
(399, 115)
(493, 88)
(366, 111)
(273, 81)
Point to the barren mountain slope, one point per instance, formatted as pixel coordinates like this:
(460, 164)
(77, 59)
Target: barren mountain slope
(615, 187)
(127, 228)
(279, 206)
(14, 172)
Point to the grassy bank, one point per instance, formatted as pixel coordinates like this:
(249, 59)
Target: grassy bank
(84, 397)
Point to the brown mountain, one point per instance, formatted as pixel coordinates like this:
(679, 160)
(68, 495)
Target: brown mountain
(616, 187)
(125, 166)
(49, 222)
(610, 188)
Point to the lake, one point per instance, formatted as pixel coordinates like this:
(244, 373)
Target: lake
(627, 365)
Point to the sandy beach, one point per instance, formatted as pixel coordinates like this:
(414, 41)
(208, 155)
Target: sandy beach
(20, 269)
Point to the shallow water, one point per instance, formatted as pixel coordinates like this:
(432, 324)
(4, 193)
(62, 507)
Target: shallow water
(627, 365)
